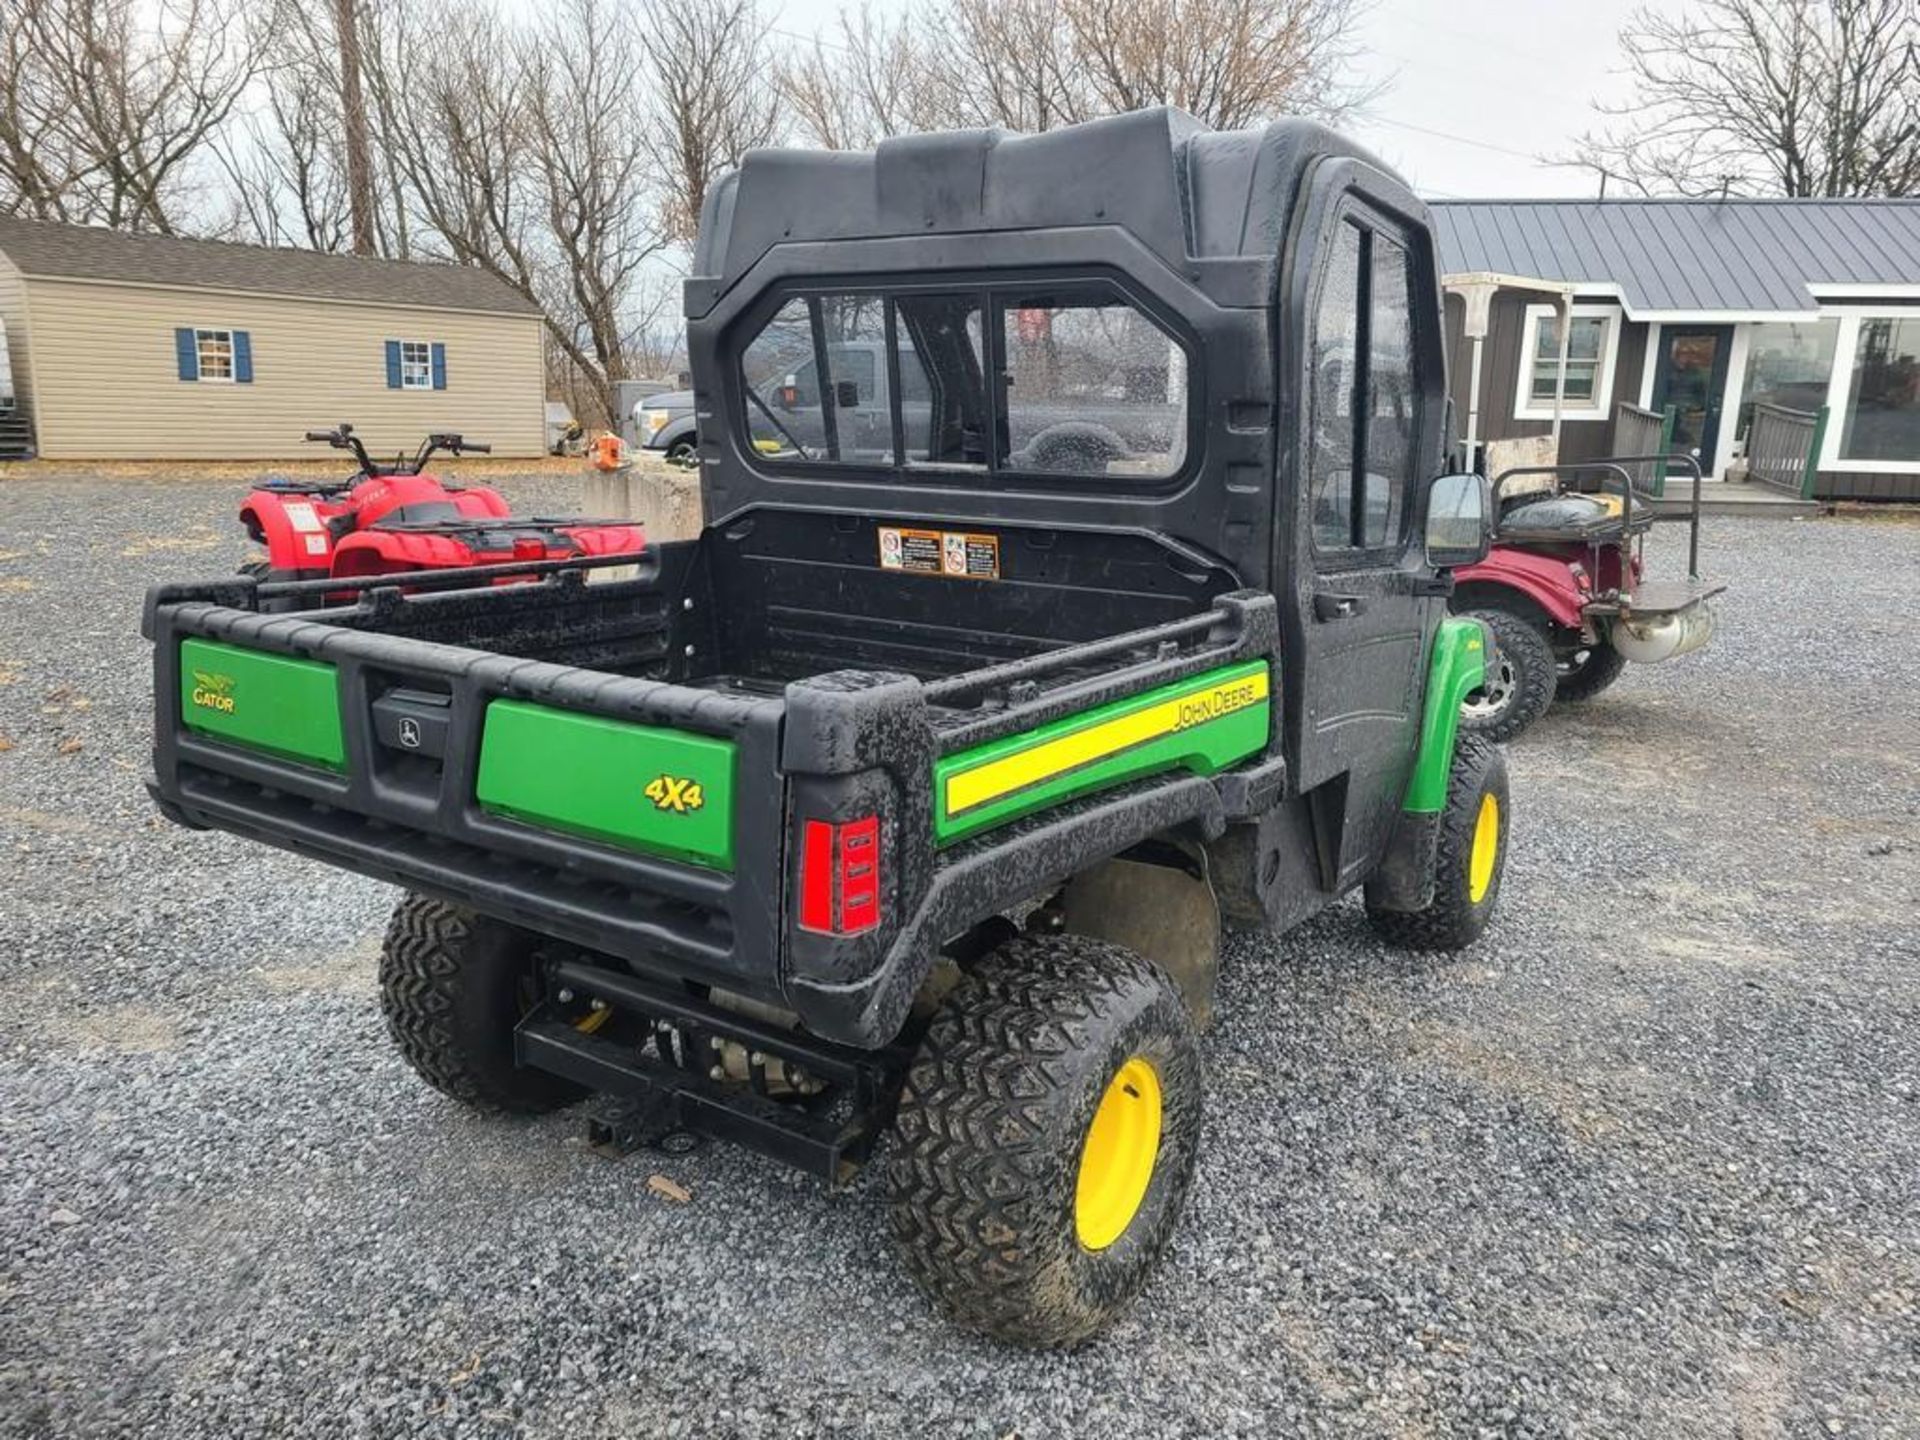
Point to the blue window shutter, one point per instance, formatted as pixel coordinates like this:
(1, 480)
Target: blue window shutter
(186, 354)
(242, 357)
(393, 364)
(439, 366)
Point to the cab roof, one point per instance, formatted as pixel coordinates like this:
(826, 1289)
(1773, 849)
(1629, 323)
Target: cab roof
(1183, 191)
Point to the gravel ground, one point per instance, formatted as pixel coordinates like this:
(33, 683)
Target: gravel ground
(1645, 1161)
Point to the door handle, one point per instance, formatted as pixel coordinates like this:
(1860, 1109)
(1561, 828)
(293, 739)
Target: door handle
(1329, 606)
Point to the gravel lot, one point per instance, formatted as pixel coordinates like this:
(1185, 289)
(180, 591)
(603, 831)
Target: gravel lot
(1645, 1161)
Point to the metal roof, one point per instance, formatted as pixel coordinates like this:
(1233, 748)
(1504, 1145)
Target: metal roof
(1672, 258)
(86, 252)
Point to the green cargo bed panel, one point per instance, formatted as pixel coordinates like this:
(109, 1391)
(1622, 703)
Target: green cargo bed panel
(1202, 725)
(275, 703)
(635, 785)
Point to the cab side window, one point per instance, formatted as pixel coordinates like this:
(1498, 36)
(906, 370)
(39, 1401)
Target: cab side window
(1336, 372)
(1365, 396)
(1393, 408)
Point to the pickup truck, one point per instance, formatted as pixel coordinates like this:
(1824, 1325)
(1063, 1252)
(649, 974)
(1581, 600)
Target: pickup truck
(899, 813)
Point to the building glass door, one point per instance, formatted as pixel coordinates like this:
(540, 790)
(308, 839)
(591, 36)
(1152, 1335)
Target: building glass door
(1690, 374)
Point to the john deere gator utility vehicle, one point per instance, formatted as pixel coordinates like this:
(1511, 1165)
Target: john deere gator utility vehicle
(1098, 596)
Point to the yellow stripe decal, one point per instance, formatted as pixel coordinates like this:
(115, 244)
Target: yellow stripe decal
(997, 778)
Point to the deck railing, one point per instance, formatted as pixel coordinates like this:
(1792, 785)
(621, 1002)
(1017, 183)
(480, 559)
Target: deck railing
(1638, 431)
(1783, 447)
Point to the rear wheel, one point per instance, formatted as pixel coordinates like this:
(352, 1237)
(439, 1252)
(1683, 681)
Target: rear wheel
(1520, 683)
(453, 985)
(1046, 1138)
(1585, 672)
(1470, 856)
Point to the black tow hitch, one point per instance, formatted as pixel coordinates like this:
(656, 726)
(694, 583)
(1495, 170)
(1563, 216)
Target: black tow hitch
(816, 1106)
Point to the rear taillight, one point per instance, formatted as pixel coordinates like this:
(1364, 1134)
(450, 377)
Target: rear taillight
(840, 876)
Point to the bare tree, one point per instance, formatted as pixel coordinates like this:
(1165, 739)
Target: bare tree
(109, 104)
(713, 102)
(284, 182)
(588, 142)
(864, 84)
(282, 155)
(451, 99)
(1781, 97)
(1007, 62)
(1228, 62)
(1035, 64)
(356, 140)
(524, 151)
(41, 169)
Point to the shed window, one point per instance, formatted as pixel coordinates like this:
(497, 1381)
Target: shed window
(213, 352)
(1592, 342)
(416, 365)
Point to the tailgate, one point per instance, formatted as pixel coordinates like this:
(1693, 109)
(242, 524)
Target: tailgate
(613, 811)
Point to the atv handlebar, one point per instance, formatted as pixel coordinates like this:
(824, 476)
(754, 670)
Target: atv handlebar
(452, 442)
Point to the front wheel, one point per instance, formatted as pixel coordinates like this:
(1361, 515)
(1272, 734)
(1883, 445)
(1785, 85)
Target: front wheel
(1587, 671)
(1520, 683)
(1470, 856)
(1046, 1138)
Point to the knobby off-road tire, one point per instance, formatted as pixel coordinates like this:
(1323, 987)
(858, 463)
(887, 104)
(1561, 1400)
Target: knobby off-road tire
(1466, 879)
(1522, 688)
(996, 1113)
(1584, 679)
(453, 984)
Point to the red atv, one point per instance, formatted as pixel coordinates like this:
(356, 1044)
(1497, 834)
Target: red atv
(390, 519)
(1565, 593)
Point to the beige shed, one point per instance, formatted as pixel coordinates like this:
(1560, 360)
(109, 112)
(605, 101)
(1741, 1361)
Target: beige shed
(146, 347)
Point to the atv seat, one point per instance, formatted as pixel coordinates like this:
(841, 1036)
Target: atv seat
(422, 512)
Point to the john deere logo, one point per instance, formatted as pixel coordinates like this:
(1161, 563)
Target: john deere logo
(213, 692)
(679, 796)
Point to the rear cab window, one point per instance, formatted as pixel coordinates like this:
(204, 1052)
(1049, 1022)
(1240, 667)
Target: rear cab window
(1066, 379)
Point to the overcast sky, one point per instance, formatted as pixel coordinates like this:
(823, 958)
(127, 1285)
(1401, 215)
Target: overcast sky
(1475, 88)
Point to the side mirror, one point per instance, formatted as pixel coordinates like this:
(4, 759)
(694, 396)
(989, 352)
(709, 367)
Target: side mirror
(846, 395)
(1459, 521)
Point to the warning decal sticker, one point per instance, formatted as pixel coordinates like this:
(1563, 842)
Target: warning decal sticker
(956, 554)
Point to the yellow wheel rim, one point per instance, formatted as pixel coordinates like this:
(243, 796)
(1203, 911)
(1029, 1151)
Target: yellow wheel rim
(1486, 849)
(1117, 1161)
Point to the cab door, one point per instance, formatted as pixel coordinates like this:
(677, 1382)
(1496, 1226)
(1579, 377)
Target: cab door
(1369, 443)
